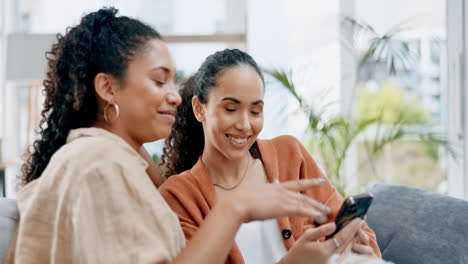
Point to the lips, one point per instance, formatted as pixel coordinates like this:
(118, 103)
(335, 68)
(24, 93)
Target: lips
(168, 115)
(238, 140)
(168, 112)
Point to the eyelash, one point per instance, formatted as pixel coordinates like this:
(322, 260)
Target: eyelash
(159, 83)
(233, 110)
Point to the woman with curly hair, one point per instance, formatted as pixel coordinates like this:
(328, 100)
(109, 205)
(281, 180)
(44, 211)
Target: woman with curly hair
(110, 88)
(214, 150)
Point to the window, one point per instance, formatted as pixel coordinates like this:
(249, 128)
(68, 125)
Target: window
(406, 72)
(421, 86)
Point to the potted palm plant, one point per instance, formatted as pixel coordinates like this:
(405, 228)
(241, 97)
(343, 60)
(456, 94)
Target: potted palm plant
(333, 137)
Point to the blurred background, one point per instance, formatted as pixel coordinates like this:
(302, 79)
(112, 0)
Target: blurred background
(374, 89)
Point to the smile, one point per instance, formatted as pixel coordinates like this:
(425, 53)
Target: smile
(237, 140)
(168, 113)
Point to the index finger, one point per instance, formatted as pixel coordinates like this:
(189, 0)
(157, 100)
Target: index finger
(302, 185)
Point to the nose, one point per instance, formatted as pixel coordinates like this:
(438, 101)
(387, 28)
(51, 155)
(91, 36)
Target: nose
(243, 124)
(173, 96)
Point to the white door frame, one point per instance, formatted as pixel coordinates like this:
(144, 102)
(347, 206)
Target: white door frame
(457, 97)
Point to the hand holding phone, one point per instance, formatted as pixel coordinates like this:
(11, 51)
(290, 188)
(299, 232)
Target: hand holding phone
(353, 206)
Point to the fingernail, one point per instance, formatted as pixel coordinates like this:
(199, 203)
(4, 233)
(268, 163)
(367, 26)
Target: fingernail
(321, 218)
(319, 180)
(326, 208)
(275, 180)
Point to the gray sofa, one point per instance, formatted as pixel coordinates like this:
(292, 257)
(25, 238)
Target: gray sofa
(8, 220)
(416, 226)
(412, 226)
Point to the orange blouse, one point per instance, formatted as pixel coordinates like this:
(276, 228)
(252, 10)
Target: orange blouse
(191, 194)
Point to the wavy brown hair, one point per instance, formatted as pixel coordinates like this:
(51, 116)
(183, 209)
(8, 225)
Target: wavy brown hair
(101, 42)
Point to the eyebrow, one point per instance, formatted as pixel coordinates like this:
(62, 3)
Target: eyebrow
(165, 69)
(237, 101)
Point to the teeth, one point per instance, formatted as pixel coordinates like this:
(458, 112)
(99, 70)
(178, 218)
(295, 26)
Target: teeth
(238, 140)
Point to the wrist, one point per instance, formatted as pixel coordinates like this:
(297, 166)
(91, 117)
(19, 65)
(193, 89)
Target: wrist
(234, 209)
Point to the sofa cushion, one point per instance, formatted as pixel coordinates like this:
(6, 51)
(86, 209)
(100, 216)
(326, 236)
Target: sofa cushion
(9, 218)
(416, 226)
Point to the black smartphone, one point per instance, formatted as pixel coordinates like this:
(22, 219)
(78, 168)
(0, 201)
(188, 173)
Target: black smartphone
(353, 206)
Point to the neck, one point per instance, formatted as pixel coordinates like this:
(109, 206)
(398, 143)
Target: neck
(222, 170)
(119, 132)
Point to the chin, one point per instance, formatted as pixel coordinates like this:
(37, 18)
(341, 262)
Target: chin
(162, 134)
(236, 154)
(157, 134)
(163, 129)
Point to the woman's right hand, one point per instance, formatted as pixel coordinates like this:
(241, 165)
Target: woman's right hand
(278, 200)
(253, 203)
(309, 248)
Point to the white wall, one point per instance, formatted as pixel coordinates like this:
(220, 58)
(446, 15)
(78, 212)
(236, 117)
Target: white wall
(267, 36)
(7, 133)
(314, 48)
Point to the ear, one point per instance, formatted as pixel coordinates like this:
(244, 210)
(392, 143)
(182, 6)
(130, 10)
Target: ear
(105, 86)
(198, 109)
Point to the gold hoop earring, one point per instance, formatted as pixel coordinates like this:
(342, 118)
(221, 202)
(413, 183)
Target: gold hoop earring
(117, 112)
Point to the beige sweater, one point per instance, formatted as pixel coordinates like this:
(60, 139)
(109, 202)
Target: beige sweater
(95, 203)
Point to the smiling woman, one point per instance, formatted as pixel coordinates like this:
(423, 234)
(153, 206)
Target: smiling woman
(214, 150)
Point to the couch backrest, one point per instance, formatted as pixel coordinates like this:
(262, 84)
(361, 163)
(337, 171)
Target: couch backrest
(416, 226)
(9, 218)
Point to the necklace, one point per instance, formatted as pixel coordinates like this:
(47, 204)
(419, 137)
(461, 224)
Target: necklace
(242, 179)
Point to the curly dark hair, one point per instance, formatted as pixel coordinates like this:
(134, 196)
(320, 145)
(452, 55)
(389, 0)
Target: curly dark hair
(101, 42)
(185, 144)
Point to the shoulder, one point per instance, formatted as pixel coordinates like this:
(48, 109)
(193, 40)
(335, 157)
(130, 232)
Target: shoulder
(91, 159)
(284, 145)
(96, 153)
(289, 157)
(92, 147)
(184, 195)
(286, 140)
(74, 167)
(180, 184)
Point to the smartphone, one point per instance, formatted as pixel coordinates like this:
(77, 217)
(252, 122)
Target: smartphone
(354, 206)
